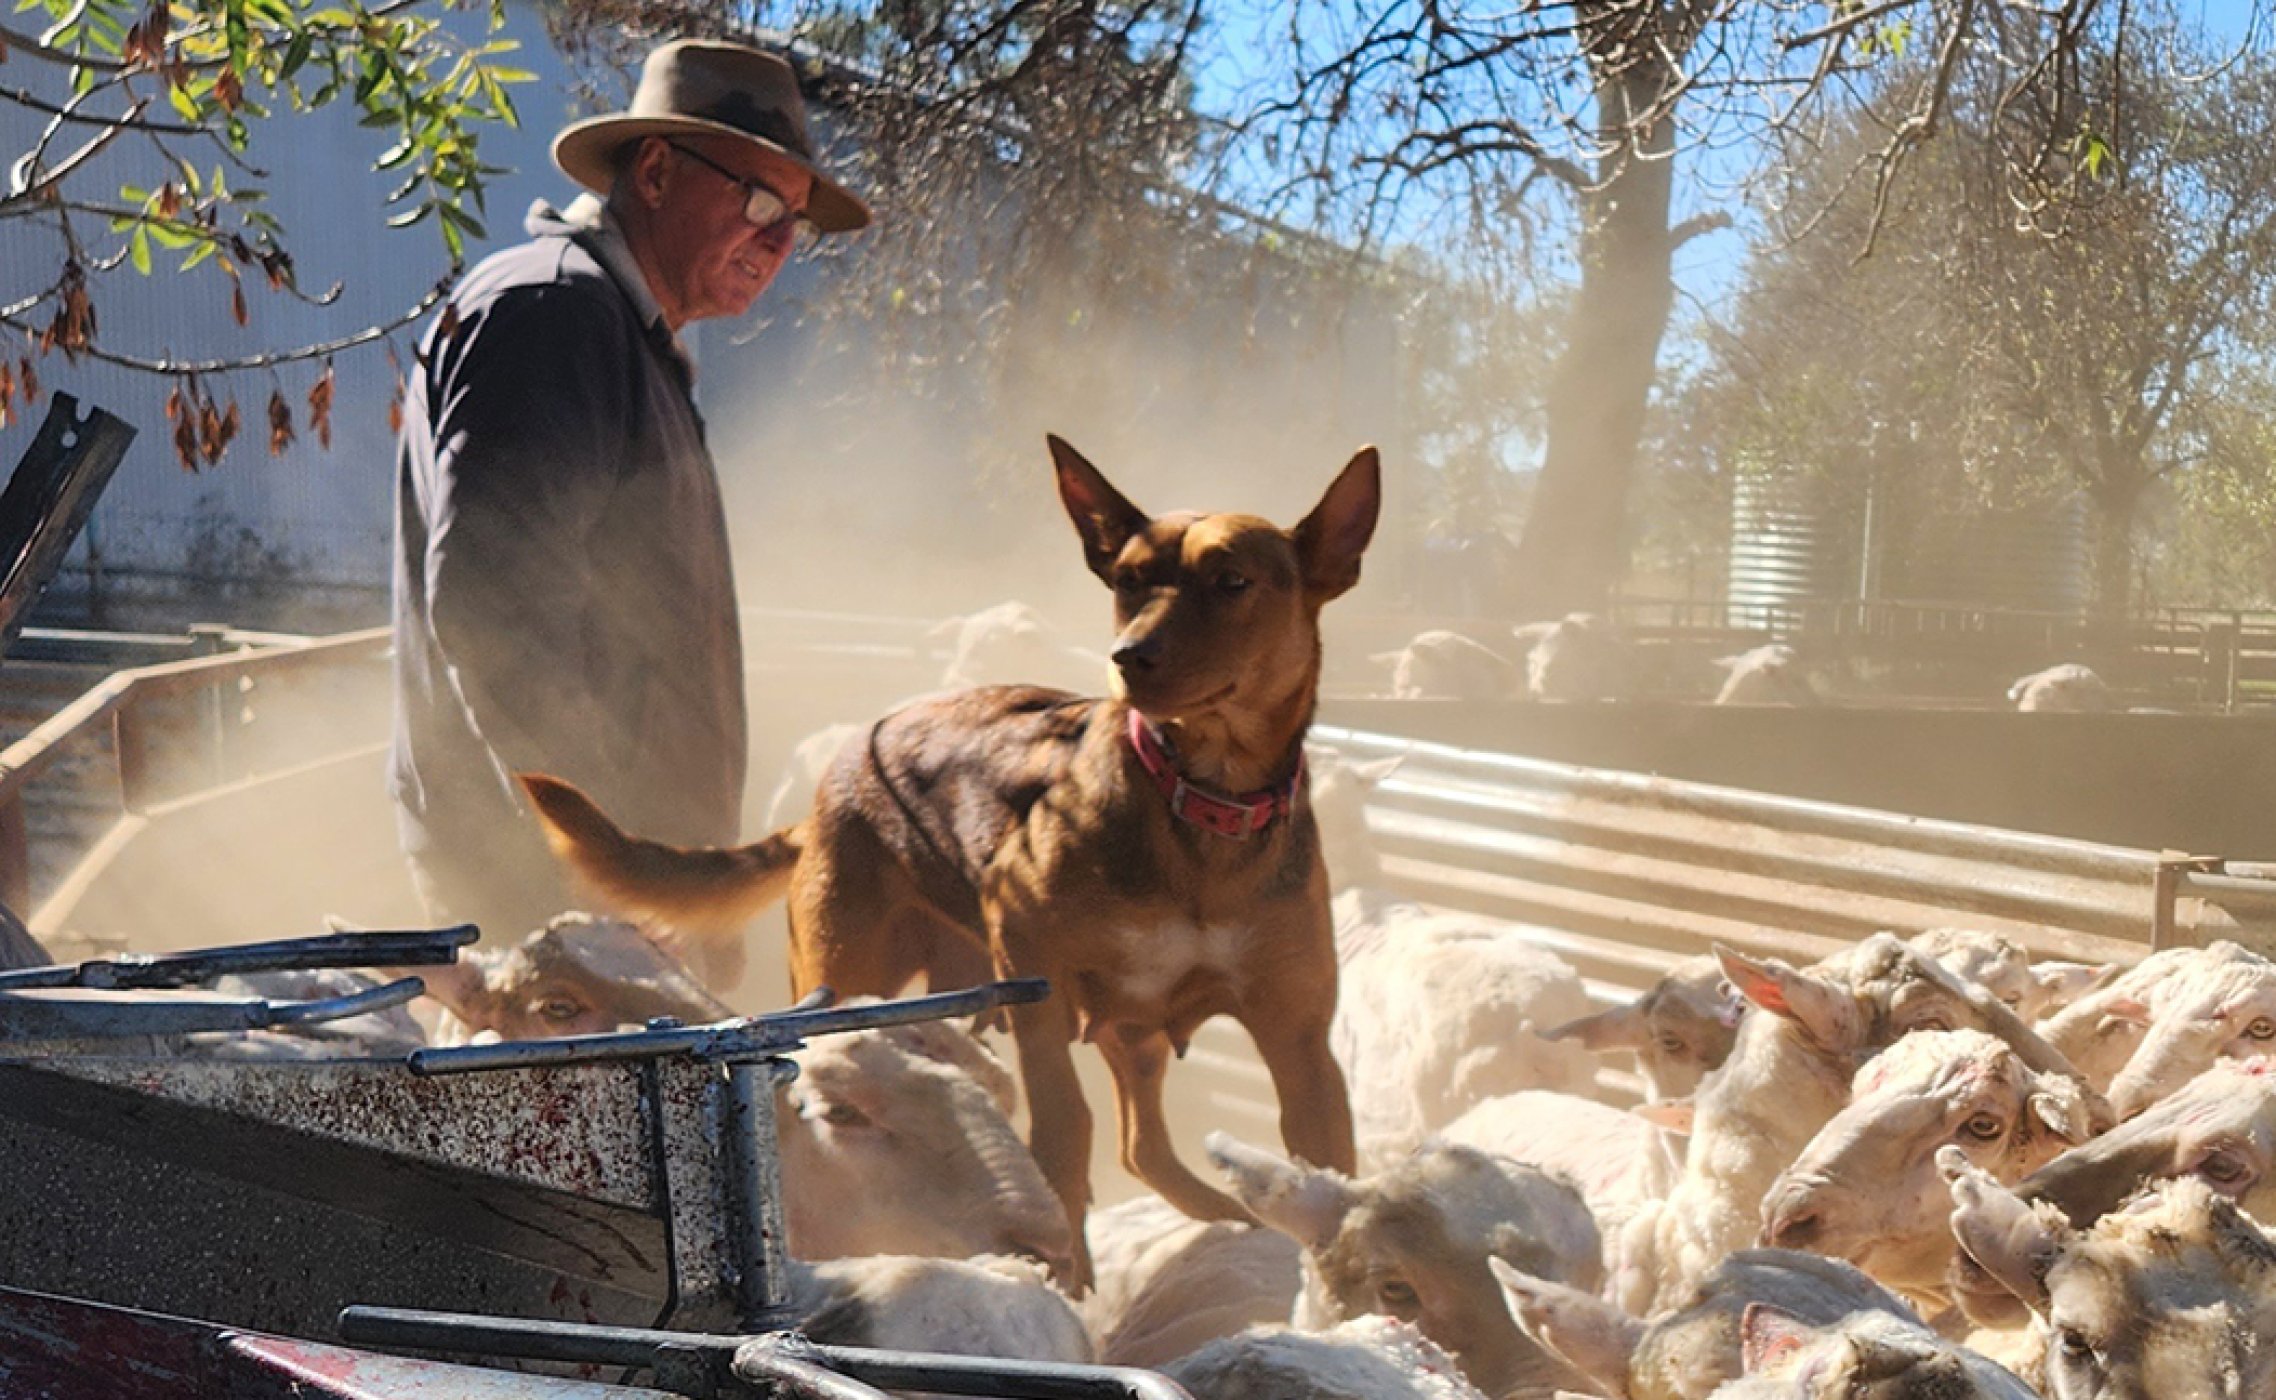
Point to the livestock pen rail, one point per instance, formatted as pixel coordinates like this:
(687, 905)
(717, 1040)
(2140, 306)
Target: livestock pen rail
(1623, 873)
(245, 771)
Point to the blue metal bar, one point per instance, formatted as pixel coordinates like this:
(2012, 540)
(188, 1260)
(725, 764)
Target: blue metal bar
(751, 1038)
(365, 948)
(43, 1014)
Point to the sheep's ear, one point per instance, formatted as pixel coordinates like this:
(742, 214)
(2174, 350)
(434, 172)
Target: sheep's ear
(1620, 1027)
(2129, 1010)
(1769, 1336)
(1375, 771)
(1827, 1011)
(1999, 1231)
(463, 987)
(2066, 982)
(1588, 1334)
(2067, 1108)
(1675, 1115)
(1305, 1203)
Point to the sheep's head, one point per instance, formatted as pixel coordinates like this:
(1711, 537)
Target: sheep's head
(1414, 1243)
(576, 976)
(2174, 1296)
(897, 1140)
(1680, 1029)
(1867, 1188)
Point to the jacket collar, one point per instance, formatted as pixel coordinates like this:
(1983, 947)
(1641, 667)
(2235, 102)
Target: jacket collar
(589, 221)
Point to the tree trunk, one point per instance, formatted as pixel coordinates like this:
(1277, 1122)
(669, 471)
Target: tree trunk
(1575, 546)
(2113, 577)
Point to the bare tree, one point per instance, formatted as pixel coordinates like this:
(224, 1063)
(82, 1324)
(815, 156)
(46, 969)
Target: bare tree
(1401, 120)
(2023, 365)
(190, 88)
(1025, 153)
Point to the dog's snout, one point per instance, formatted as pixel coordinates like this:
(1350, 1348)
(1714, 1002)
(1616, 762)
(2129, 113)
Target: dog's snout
(1137, 653)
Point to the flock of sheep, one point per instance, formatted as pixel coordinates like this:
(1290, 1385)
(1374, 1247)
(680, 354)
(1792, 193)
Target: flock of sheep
(1580, 658)
(1921, 1169)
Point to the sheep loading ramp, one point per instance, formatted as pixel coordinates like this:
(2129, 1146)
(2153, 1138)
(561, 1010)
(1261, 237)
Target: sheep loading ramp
(245, 798)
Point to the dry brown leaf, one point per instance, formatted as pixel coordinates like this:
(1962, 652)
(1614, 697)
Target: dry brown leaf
(320, 406)
(280, 423)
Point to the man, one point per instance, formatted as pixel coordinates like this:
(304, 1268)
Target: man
(563, 595)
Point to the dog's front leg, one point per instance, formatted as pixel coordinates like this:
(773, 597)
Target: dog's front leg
(1286, 1009)
(1059, 1122)
(1138, 1058)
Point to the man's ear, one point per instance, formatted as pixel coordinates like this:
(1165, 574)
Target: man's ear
(645, 170)
(1104, 519)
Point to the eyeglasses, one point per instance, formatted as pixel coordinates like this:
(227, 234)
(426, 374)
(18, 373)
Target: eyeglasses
(762, 207)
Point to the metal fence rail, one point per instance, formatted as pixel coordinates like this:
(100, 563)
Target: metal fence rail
(1623, 873)
(120, 708)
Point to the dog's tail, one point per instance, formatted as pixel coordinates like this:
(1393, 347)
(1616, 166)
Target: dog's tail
(705, 891)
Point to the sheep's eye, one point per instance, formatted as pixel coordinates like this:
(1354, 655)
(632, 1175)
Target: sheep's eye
(1230, 582)
(560, 1009)
(2073, 1347)
(844, 1115)
(1933, 1021)
(1128, 583)
(2012, 999)
(1674, 1045)
(1984, 1127)
(2261, 1029)
(2223, 1169)
(1396, 1294)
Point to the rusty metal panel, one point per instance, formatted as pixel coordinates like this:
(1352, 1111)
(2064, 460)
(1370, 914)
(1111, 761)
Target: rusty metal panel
(270, 1195)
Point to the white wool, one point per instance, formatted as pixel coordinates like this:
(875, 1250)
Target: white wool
(1617, 1160)
(960, 1307)
(1167, 1285)
(1369, 1358)
(1440, 1011)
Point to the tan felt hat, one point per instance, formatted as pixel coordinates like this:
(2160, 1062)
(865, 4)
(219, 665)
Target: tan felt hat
(700, 87)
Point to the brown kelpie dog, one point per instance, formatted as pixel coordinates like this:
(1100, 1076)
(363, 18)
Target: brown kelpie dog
(1153, 853)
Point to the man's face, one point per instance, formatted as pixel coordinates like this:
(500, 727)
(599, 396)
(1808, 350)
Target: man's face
(713, 260)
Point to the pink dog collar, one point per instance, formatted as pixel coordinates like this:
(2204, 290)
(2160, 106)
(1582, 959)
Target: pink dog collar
(1234, 817)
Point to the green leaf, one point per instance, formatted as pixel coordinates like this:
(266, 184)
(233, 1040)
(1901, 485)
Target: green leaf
(405, 220)
(395, 155)
(138, 249)
(198, 254)
(296, 54)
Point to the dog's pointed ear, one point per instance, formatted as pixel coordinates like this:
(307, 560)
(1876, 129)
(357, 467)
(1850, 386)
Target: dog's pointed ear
(1103, 516)
(1330, 540)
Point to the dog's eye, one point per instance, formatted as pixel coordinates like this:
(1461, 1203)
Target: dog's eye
(1128, 583)
(1230, 582)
